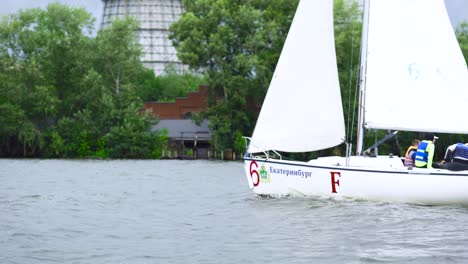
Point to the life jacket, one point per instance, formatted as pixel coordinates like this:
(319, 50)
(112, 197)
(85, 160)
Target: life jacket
(410, 156)
(421, 153)
(460, 152)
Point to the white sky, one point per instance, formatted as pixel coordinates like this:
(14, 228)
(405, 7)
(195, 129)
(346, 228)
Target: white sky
(93, 6)
(457, 9)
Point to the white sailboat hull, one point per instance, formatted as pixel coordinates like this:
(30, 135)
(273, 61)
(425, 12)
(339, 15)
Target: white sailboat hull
(388, 180)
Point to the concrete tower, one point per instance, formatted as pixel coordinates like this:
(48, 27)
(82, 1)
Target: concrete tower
(155, 17)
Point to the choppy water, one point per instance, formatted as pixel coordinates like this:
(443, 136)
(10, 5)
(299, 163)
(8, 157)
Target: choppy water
(203, 212)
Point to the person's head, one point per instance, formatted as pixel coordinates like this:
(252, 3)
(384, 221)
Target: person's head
(431, 137)
(415, 142)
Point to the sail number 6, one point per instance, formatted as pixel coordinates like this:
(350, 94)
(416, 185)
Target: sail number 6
(254, 172)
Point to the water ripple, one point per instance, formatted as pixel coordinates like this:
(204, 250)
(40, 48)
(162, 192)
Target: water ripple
(54, 211)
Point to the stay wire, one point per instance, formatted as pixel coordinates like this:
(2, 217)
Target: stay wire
(356, 89)
(351, 120)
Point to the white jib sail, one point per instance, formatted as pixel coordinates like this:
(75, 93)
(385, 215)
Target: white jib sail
(417, 78)
(302, 110)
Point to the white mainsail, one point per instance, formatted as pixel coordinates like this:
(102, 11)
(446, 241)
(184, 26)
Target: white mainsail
(302, 110)
(417, 78)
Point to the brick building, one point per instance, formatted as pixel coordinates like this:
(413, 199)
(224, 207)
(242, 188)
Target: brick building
(182, 108)
(184, 135)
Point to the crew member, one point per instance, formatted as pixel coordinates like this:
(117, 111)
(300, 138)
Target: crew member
(425, 152)
(410, 154)
(456, 157)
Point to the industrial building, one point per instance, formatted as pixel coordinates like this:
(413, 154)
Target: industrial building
(154, 17)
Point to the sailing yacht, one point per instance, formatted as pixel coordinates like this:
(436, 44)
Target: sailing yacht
(410, 57)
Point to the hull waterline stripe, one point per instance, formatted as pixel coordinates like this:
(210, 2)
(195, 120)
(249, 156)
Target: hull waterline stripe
(352, 169)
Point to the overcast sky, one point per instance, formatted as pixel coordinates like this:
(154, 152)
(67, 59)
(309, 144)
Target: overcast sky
(457, 9)
(93, 6)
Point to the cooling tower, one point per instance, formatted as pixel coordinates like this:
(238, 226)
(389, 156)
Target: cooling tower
(155, 17)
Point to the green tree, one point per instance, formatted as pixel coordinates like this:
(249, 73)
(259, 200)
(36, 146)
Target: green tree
(119, 53)
(168, 86)
(462, 35)
(38, 52)
(66, 94)
(133, 139)
(348, 28)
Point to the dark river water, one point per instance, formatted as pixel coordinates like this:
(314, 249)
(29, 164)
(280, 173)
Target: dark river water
(126, 211)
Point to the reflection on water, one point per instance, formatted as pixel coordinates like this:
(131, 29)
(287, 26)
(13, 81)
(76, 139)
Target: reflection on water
(203, 212)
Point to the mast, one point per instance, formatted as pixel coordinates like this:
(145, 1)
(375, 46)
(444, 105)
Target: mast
(362, 81)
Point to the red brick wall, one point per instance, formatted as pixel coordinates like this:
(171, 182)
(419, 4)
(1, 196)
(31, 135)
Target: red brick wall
(193, 103)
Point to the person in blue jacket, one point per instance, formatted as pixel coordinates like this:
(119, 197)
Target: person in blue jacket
(456, 157)
(425, 152)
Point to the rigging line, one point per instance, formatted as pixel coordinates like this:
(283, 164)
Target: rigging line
(348, 138)
(356, 91)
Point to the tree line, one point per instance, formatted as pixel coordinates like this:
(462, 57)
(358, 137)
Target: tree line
(65, 93)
